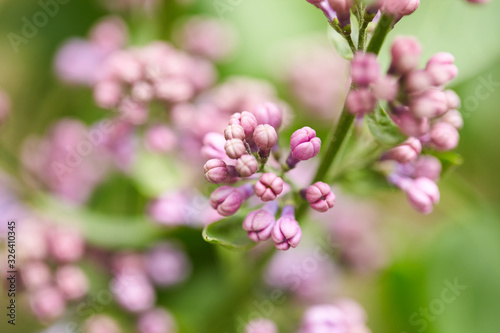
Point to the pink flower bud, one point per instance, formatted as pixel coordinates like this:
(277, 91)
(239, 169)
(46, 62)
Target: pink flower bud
(441, 68)
(261, 326)
(429, 104)
(174, 90)
(133, 292)
(133, 112)
(72, 282)
(407, 152)
(417, 81)
(101, 324)
(453, 99)
(265, 137)
(411, 126)
(365, 69)
(227, 200)
(170, 209)
(406, 52)
(246, 166)
(167, 264)
(47, 304)
(386, 88)
(234, 132)
(323, 318)
(427, 166)
(235, 148)
(124, 66)
(213, 146)
(304, 144)
(35, 274)
(107, 94)
(216, 171)
(156, 321)
(320, 197)
(423, 194)
(268, 113)
(259, 223)
(268, 187)
(454, 118)
(360, 102)
(343, 10)
(398, 7)
(444, 136)
(109, 33)
(245, 120)
(286, 231)
(160, 138)
(65, 245)
(142, 91)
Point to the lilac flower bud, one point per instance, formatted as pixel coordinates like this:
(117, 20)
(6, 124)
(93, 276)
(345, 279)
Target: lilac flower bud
(216, 171)
(235, 148)
(423, 194)
(399, 8)
(101, 324)
(417, 81)
(429, 104)
(174, 90)
(245, 120)
(320, 197)
(386, 88)
(47, 304)
(444, 136)
(261, 326)
(156, 321)
(227, 200)
(265, 137)
(453, 99)
(167, 265)
(365, 69)
(325, 6)
(133, 112)
(360, 102)
(72, 282)
(213, 146)
(170, 209)
(323, 318)
(286, 232)
(427, 166)
(454, 118)
(246, 166)
(160, 138)
(268, 113)
(133, 292)
(407, 152)
(304, 144)
(35, 274)
(268, 187)
(65, 245)
(107, 94)
(259, 223)
(441, 68)
(125, 66)
(406, 52)
(234, 132)
(343, 10)
(411, 126)
(142, 91)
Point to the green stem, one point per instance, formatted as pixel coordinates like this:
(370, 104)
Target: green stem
(383, 27)
(362, 35)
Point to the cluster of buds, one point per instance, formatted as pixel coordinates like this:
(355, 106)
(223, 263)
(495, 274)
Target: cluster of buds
(249, 153)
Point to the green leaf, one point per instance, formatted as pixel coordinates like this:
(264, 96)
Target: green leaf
(228, 233)
(383, 128)
(340, 44)
(449, 160)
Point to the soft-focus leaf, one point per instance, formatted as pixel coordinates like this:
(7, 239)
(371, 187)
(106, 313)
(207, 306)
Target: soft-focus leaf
(228, 233)
(340, 44)
(383, 128)
(449, 160)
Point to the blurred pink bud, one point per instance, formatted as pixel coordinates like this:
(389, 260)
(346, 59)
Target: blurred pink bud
(360, 102)
(227, 200)
(213, 146)
(107, 94)
(234, 132)
(441, 68)
(417, 81)
(160, 138)
(133, 292)
(259, 223)
(133, 111)
(268, 113)
(170, 209)
(386, 88)
(406, 52)
(364, 69)
(261, 326)
(124, 66)
(453, 99)
(35, 274)
(320, 197)
(422, 194)
(65, 245)
(343, 10)
(429, 104)
(398, 7)
(156, 320)
(411, 126)
(101, 324)
(109, 33)
(216, 171)
(286, 232)
(72, 282)
(174, 90)
(304, 144)
(246, 166)
(407, 152)
(323, 318)
(245, 120)
(268, 187)
(265, 137)
(444, 136)
(47, 304)
(166, 264)
(427, 166)
(142, 91)
(454, 118)
(235, 148)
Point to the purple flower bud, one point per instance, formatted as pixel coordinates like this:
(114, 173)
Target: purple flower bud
(166, 264)
(268, 113)
(324, 318)
(268, 187)
(107, 94)
(72, 282)
(406, 52)
(410, 125)
(407, 152)
(216, 171)
(444, 136)
(261, 326)
(259, 223)
(160, 138)
(343, 10)
(360, 102)
(234, 132)
(133, 291)
(65, 245)
(47, 304)
(398, 8)
(441, 68)
(286, 232)
(453, 99)
(429, 104)
(386, 88)
(170, 209)
(246, 166)
(320, 197)
(365, 69)
(235, 148)
(454, 118)
(304, 144)
(142, 91)
(175, 90)
(227, 200)
(156, 321)
(101, 324)
(245, 120)
(265, 137)
(124, 66)
(213, 146)
(423, 194)
(133, 111)
(427, 166)
(417, 81)
(35, 274)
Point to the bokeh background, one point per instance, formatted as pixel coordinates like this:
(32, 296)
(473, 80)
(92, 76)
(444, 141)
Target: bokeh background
(460, 240)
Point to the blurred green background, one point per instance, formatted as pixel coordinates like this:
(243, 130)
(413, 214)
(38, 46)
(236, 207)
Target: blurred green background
(459, 241)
